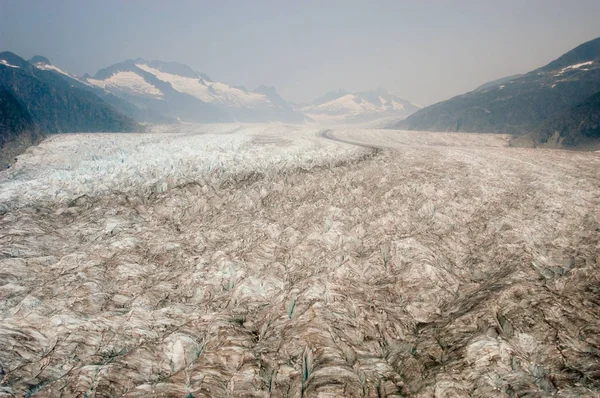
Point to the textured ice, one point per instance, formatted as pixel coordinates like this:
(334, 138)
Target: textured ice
(280, 263)
(67, 166)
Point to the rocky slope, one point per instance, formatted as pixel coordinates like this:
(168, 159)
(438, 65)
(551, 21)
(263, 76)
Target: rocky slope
(35, 102)
(55, 105)
(121, 105)
(519, 104)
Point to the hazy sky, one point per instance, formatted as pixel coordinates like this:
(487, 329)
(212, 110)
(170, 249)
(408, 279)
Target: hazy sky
(425, 51)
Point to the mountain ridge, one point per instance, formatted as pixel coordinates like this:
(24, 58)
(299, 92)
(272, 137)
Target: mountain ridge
(341, 106)
(518, 105)
(36, 102)
(176, 90)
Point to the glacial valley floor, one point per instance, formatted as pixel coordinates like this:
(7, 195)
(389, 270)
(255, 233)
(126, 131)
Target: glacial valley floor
(418, 264)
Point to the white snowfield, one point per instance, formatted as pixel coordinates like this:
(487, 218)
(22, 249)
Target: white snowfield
(44, 66)
(281, 261)
(575, 66)
(213, 92)
(130, 82)
(355, 108)
(348, 104)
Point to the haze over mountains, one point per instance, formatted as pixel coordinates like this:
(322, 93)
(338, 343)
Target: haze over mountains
(344, 107)
(156, 92)
(177, 91)
(255, 219)
(554, 105)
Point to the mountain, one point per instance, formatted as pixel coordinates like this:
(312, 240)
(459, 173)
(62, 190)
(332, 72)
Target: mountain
(37, 101)
(341, 106)
(177, 91)
(54, 104)
(523, 104)
(121, 105)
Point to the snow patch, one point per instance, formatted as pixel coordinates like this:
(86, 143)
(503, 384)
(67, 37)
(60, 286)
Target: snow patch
(397, 106)
(128, 81)
(5, 63)
(575, 66)
(213, 92)
(43, 66)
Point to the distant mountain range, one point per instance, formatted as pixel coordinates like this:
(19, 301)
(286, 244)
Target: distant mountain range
(555, 105)
(343, 107)
(38, 98)
(176, 91)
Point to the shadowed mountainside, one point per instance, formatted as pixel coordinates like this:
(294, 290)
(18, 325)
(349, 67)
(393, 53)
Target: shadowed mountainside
(522, 104)
(579, 126)
(56, 106)
(17, 129)
(37, 102)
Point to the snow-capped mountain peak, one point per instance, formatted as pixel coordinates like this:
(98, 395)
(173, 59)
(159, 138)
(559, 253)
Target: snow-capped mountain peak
(179, 91)
(44, 63)
(189, 82)
(343, 107)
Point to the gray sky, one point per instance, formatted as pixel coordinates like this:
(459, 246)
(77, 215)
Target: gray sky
(424, 51)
